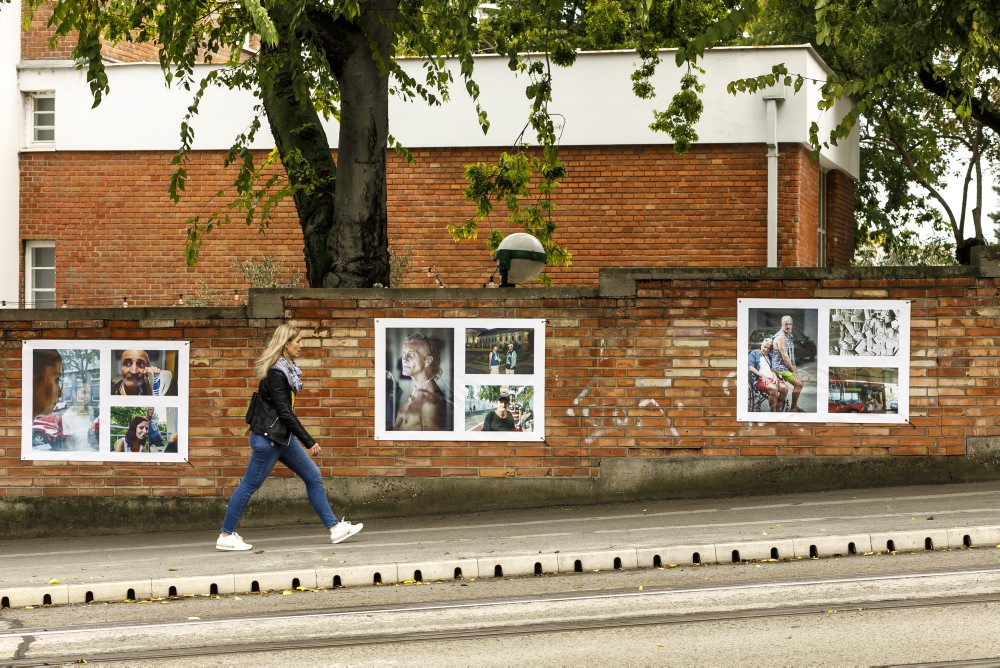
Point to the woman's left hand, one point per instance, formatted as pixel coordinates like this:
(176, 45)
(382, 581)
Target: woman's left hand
(315, 449)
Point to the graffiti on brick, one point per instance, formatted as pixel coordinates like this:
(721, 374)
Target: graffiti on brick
(605, 420)
(604, 416)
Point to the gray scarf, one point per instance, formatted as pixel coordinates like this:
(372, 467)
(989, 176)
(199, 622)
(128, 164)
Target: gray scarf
(292, 372)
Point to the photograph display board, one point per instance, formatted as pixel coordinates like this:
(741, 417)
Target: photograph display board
(105, 401)
(852, 359)
(457, 379)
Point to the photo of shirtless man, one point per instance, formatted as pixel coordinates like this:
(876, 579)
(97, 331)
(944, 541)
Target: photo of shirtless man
(425, 407)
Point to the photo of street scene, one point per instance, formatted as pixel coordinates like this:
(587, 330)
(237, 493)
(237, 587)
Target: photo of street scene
(500, 351)
(65, 399)
(863, 390)
(862, 332)
(499, 408)
(143, 429)
(781, 357)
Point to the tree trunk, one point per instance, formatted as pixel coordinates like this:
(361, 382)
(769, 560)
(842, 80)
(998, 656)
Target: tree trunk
(297, 130)
(358, 242)
(341, 206)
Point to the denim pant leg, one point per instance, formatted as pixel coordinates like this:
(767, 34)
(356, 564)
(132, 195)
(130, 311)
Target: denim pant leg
(263, 456)
(295, 457)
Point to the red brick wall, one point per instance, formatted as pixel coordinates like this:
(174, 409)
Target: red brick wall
(644, 377)
(840, 219)
(130, 52)
(620, 206)
(35, 40)
(35, 44)
(126, 238)
(798, 206)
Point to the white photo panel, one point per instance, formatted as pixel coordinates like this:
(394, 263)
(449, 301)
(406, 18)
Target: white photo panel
(105, 400)
(851, 360)
(437, 378)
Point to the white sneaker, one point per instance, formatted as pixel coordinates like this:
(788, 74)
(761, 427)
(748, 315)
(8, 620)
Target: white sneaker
(232, 543)
(343, 530)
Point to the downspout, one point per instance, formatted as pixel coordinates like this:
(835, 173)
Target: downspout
(771, 98)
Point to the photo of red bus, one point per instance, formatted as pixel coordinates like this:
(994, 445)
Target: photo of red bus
(856, 396)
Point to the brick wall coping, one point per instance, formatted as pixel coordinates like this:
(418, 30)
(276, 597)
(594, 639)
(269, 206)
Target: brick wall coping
(613, 283)
(622, 282)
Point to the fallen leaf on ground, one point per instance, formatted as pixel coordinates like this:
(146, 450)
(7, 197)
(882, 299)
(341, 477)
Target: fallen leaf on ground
(53, 581)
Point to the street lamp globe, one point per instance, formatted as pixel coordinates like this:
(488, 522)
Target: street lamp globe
(520, 257)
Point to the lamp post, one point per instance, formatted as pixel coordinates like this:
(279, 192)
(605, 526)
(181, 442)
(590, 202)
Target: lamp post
(519, 258)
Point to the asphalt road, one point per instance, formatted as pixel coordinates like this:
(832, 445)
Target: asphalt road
(858, 610)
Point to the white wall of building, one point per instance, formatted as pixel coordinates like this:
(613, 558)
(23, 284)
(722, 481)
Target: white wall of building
(594, 97)
(10, 142)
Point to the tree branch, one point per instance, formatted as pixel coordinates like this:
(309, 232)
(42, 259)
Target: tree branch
(911, 165)
(983, 111)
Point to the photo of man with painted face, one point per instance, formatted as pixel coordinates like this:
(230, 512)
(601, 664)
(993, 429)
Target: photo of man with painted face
(141, 373)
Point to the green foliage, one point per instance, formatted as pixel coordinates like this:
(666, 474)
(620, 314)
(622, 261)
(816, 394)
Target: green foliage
(523, 181)
(521, 393)
(921, 124)
(307, 50)
(509, 182)
(908, 249)
(995, 215)
(122, 416)
(684, 111)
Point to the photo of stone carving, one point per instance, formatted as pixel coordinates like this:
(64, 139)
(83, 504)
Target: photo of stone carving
(864, 332)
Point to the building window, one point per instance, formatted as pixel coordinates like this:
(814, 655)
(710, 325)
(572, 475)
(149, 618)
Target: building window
(41, 118)
(821, 220)
(40, 274)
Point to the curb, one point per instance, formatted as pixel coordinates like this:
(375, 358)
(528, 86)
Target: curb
(816, 547)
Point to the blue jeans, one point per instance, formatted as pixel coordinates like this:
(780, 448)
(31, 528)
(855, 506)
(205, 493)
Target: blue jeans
(262, 459)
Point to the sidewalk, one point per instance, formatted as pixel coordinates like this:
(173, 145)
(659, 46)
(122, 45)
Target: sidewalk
(481, 545)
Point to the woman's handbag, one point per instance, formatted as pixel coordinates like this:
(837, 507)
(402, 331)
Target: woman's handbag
(252, 407)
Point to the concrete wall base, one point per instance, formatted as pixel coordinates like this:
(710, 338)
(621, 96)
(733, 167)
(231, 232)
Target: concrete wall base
(282, 501)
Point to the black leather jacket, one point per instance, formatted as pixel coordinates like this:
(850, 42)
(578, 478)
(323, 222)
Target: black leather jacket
(274, 418)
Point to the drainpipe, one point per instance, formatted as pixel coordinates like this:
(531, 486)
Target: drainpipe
(771, 98)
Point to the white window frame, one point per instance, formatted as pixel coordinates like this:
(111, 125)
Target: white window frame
(29, 273)
(30, 127)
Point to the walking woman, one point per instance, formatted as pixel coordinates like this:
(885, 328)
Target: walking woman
(277, 435)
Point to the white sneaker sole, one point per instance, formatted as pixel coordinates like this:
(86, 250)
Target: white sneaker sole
(233, 549)
(355, 532)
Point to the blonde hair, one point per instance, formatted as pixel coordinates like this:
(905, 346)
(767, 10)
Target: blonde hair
(275, 347)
